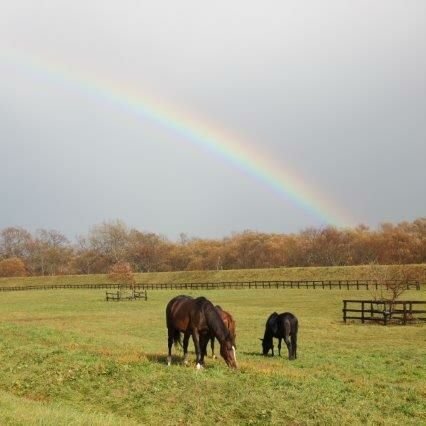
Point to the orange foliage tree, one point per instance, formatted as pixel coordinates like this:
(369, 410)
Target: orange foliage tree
(12, 267)
(122, 273)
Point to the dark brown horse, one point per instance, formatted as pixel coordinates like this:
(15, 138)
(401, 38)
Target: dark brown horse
(229, 322)
(197, 318)
(282, 326)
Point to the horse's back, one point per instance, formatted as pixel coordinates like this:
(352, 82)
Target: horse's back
(289, 319)
(177, 312)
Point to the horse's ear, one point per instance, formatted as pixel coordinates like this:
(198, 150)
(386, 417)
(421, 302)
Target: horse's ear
(260, 339)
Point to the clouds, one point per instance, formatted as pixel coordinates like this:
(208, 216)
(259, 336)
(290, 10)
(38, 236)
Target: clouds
(334, 90)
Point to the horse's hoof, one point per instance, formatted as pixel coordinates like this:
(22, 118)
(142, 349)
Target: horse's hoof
(199, 366)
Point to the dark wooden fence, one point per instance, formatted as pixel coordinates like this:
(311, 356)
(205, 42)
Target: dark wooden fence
(402, 311)
(120, 295)
(304, 284)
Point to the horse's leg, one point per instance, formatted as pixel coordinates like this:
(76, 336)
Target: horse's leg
(288, 343)
(279, 345)
(294, 344)
(185, 347)
(196, 339)
(272, 346)
(204, 340)
(212, 346)
(287, 330)
(170, 344)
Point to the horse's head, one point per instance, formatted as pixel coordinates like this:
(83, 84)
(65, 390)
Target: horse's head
(227, 350)
(267, 345)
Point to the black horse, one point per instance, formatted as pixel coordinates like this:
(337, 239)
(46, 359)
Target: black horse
(199, 318)
(282, 326)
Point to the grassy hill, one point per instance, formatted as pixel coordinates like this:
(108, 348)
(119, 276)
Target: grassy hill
(304, 273)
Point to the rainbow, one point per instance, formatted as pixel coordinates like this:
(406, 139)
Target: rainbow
(254, 163)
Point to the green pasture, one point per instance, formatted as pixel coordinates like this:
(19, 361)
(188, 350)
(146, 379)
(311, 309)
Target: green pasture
(69, 357)
(302, 273)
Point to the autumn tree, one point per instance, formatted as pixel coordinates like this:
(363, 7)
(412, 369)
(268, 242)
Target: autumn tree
(14, 242)
(12, 267)
(49, 253)
(147, 251)
(122, 273)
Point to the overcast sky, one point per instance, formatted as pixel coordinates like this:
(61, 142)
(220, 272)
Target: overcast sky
(336, 90)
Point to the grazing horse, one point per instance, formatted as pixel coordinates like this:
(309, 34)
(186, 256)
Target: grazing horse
(282, 326)
(199, 318)
(230, 325)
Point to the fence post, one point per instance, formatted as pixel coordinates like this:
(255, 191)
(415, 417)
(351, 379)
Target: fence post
(385, 314)
(362, 313)
(344, 310)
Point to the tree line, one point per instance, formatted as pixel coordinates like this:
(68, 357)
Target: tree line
(49, 252)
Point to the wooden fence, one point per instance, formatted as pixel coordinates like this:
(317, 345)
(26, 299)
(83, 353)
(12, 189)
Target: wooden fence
(402, 311)
(122, 295)
(301, 284)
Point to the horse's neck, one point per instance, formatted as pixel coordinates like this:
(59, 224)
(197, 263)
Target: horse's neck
(216, 326)
(268, 334)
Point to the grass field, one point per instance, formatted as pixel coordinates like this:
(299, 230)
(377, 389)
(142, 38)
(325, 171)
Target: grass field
(69, 357)
(311, 273)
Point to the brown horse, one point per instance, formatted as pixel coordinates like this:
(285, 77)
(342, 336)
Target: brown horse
(229, 322)
(199, 318)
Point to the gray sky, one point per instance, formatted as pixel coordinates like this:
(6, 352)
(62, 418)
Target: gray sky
(335, 90)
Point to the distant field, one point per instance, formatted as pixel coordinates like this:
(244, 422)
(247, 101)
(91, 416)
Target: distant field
(311, 273)
(69, 357)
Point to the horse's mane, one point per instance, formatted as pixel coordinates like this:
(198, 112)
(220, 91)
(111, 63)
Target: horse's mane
(271, 324)
(273, 315)
(213, 319)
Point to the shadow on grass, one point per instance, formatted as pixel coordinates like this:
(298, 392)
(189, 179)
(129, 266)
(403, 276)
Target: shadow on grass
(162, 359)
(252, 354)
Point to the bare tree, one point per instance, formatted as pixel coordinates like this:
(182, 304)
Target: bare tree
(391, 280)
(14, 241)
(110, 239)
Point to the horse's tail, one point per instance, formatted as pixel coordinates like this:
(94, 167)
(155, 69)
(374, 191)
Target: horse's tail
(176, 338)
(293, 337)
(287, 329)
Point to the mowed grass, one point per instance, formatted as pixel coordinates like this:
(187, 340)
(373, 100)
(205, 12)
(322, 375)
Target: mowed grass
(302, 273)
(69, 357)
